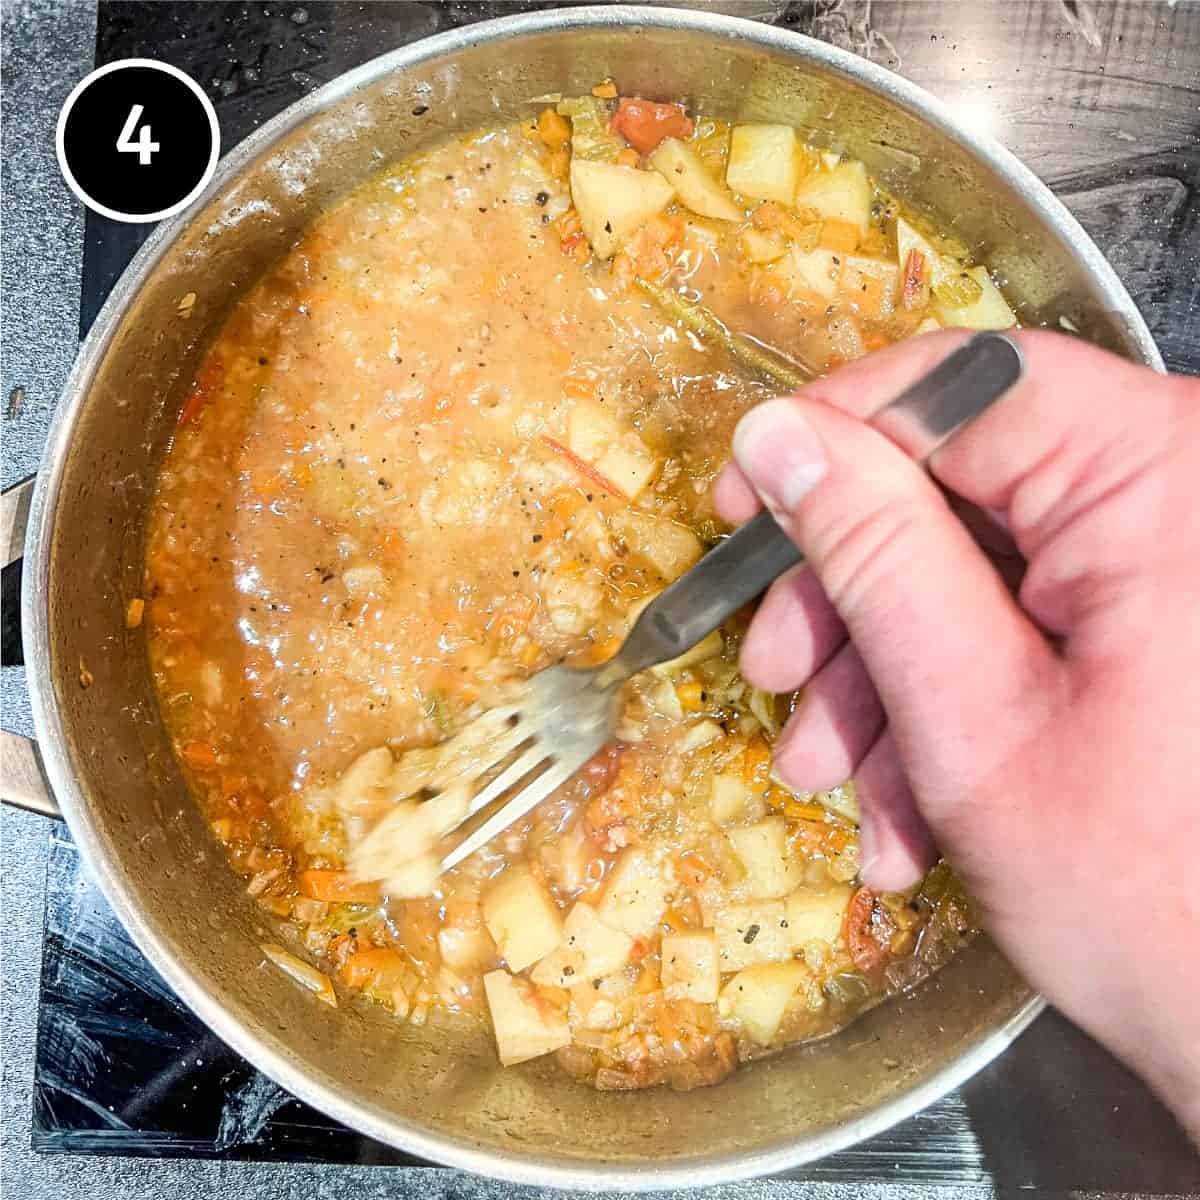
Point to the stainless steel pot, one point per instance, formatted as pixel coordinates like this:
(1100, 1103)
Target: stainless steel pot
(438, 1092)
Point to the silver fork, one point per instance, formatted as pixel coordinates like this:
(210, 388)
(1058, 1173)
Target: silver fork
(566, 715)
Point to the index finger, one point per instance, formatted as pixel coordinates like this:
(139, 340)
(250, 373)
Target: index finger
(1074, 403)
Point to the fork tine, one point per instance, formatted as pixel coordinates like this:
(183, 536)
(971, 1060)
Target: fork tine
(527, 798)
(511, 774)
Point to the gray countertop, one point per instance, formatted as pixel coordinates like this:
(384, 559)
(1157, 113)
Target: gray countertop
(1102, 100)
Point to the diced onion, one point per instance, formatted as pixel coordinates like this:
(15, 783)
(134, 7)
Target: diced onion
(305, 975)
(762, 705)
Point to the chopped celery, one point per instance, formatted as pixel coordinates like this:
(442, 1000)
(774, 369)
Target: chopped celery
(591, 137)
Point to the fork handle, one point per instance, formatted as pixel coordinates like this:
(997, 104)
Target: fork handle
(920, 419)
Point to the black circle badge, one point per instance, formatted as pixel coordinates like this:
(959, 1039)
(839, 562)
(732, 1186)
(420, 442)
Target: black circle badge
(137, 140)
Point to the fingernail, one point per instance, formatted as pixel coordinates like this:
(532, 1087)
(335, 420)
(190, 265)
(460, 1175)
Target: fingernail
(779, 454)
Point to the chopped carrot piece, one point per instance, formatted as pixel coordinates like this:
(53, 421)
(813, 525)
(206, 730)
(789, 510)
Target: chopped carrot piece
(606, 89)
(800, 810)
(628, 157)
(644, 124)
(691, 869)
(553, 128)
(838, 235)
(691, 695)
(373, 966)
(192, 406)
(337, 887)
(756, 764)
(200, 756)
(134, 611)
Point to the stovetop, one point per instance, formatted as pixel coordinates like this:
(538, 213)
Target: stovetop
(123, 1068)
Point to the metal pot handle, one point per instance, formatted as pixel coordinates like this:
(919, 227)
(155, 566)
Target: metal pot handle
(22, 778)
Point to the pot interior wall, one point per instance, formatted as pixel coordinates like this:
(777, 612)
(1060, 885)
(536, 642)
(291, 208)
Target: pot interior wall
(151, 846)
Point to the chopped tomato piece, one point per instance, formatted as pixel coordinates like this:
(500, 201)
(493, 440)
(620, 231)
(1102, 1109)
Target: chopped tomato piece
(868, 954)
(337, 887)
(601, 769)
(644, 124)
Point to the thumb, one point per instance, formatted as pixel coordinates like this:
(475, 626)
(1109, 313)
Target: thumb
(945, 645)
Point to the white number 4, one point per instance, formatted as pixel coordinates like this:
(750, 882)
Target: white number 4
(144, 148)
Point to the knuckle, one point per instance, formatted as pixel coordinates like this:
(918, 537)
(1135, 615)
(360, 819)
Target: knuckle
(859, 556)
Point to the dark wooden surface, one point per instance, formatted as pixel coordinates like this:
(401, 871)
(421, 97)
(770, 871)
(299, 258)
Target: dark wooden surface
(1102, 101)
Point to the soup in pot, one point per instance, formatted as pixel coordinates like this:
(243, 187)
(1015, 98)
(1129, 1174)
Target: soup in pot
(465, 429)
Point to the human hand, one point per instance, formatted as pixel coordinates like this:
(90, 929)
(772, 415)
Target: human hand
(1045, 741)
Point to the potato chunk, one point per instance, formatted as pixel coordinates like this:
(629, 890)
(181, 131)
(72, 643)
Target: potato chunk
(669, 547)
(614, 202)
(840, 194)
(524, 1028)
(751, 933)
(618, 454)
(590, 948)
(681, 167)
(636, 895)
(522, 918)
(690, 967)
(989, 311)
(816, 916)
(771, 872)
(727, 798)
(764, 162)
(758, 997)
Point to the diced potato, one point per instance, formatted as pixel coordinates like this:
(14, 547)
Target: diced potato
(840, 194)
(597, 436)
(814, 915)
(628, 465)
(763, 245)
(592, 430)
(750, 933)
(765, 162)
(700, 734)
(842, 800)
(669, 547)
(408, 833)
(615, 202)
(857, 267)
(466, 949)
(417, 877)
(815, 271)
(909, 239)
(830, 159)
(681, 167)
(690, 969)
(727, 798)
(771, 871)
(929, 325)
(361, 785)
(990, 311)
(524, 1029)
(590, 948)
(758, 997)
(635, 897)
(522, 918)
(363, 581)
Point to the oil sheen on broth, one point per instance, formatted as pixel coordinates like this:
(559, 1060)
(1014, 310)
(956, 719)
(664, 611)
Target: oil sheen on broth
(454, 437)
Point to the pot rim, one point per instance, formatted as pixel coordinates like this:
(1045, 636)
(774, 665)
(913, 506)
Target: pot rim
(262, 1050)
